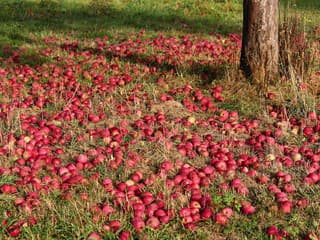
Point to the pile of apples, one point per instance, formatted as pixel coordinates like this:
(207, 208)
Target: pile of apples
(81, 83)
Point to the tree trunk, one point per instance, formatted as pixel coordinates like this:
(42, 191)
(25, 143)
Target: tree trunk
(260, 44)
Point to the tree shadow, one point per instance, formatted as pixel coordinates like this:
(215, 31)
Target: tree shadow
(19, 19)
(310, 5)
(24, 23)
(207, 72)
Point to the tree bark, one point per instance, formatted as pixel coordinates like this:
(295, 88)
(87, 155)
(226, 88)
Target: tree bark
(260, 41)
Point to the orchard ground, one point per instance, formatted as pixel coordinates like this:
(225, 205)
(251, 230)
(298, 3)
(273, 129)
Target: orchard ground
(130, 120)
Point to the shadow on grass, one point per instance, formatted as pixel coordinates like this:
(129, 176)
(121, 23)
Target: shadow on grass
(302, 5)
(19, 19)
(24, 22)
(25, 58)
(206, 72)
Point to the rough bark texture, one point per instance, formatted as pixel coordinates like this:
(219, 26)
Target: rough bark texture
(260, 41)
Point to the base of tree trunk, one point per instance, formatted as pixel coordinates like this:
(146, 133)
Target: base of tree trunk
(260, 42)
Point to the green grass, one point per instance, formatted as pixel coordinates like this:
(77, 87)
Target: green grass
(26, 21)
(23, 23)
(308, 11)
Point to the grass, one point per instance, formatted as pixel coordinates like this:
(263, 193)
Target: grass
(23, 26)
(22, 22)
(85, 18)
